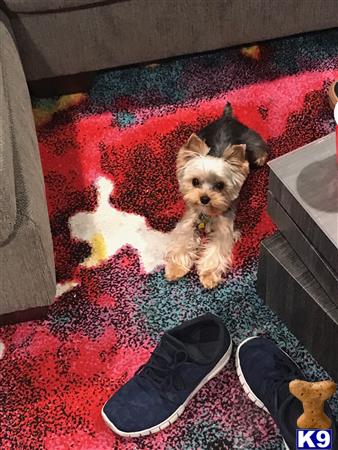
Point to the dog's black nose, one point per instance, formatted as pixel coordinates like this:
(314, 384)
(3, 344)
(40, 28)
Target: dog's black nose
(205, 199)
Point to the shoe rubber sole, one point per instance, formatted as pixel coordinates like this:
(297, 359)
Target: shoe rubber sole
(179, 411)
(245, 385)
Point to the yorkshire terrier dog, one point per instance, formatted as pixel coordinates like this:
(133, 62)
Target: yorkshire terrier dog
(211, 169)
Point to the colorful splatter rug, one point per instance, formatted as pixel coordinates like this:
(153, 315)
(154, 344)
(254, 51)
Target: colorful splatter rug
(109, 163)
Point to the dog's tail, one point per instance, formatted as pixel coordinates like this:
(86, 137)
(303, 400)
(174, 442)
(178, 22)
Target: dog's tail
(228, 110)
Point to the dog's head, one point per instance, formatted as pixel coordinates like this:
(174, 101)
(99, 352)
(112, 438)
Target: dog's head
(210, 184)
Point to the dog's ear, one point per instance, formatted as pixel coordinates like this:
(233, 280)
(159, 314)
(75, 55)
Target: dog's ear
(195, 146)
(235, 154)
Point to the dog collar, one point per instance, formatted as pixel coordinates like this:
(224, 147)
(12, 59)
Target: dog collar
(202, 222)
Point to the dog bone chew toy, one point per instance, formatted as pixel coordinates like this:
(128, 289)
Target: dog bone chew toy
(313, 396)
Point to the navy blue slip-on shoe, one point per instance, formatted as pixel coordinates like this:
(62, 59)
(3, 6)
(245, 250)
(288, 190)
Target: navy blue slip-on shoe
(265, 372)
(187, 357)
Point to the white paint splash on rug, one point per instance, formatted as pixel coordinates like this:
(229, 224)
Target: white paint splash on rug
(108, 229)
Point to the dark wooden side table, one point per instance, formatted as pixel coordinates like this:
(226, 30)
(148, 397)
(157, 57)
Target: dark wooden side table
(298, 267)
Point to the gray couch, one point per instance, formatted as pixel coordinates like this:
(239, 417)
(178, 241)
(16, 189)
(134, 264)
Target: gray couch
(27, 276)
(63, 37)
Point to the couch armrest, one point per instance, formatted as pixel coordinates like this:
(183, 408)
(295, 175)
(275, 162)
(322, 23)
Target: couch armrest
(7, 181)
(22, 190)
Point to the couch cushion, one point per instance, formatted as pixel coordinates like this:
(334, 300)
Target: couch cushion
(7, 182)
(27, 274)
(21, 182)
(133, 31)
(36, 6)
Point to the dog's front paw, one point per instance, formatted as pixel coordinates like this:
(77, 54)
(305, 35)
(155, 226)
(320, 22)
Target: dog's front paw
(210, 280)
(174, 271)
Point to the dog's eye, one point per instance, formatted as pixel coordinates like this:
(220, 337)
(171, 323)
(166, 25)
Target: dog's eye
(219, 186)
(195, 182)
